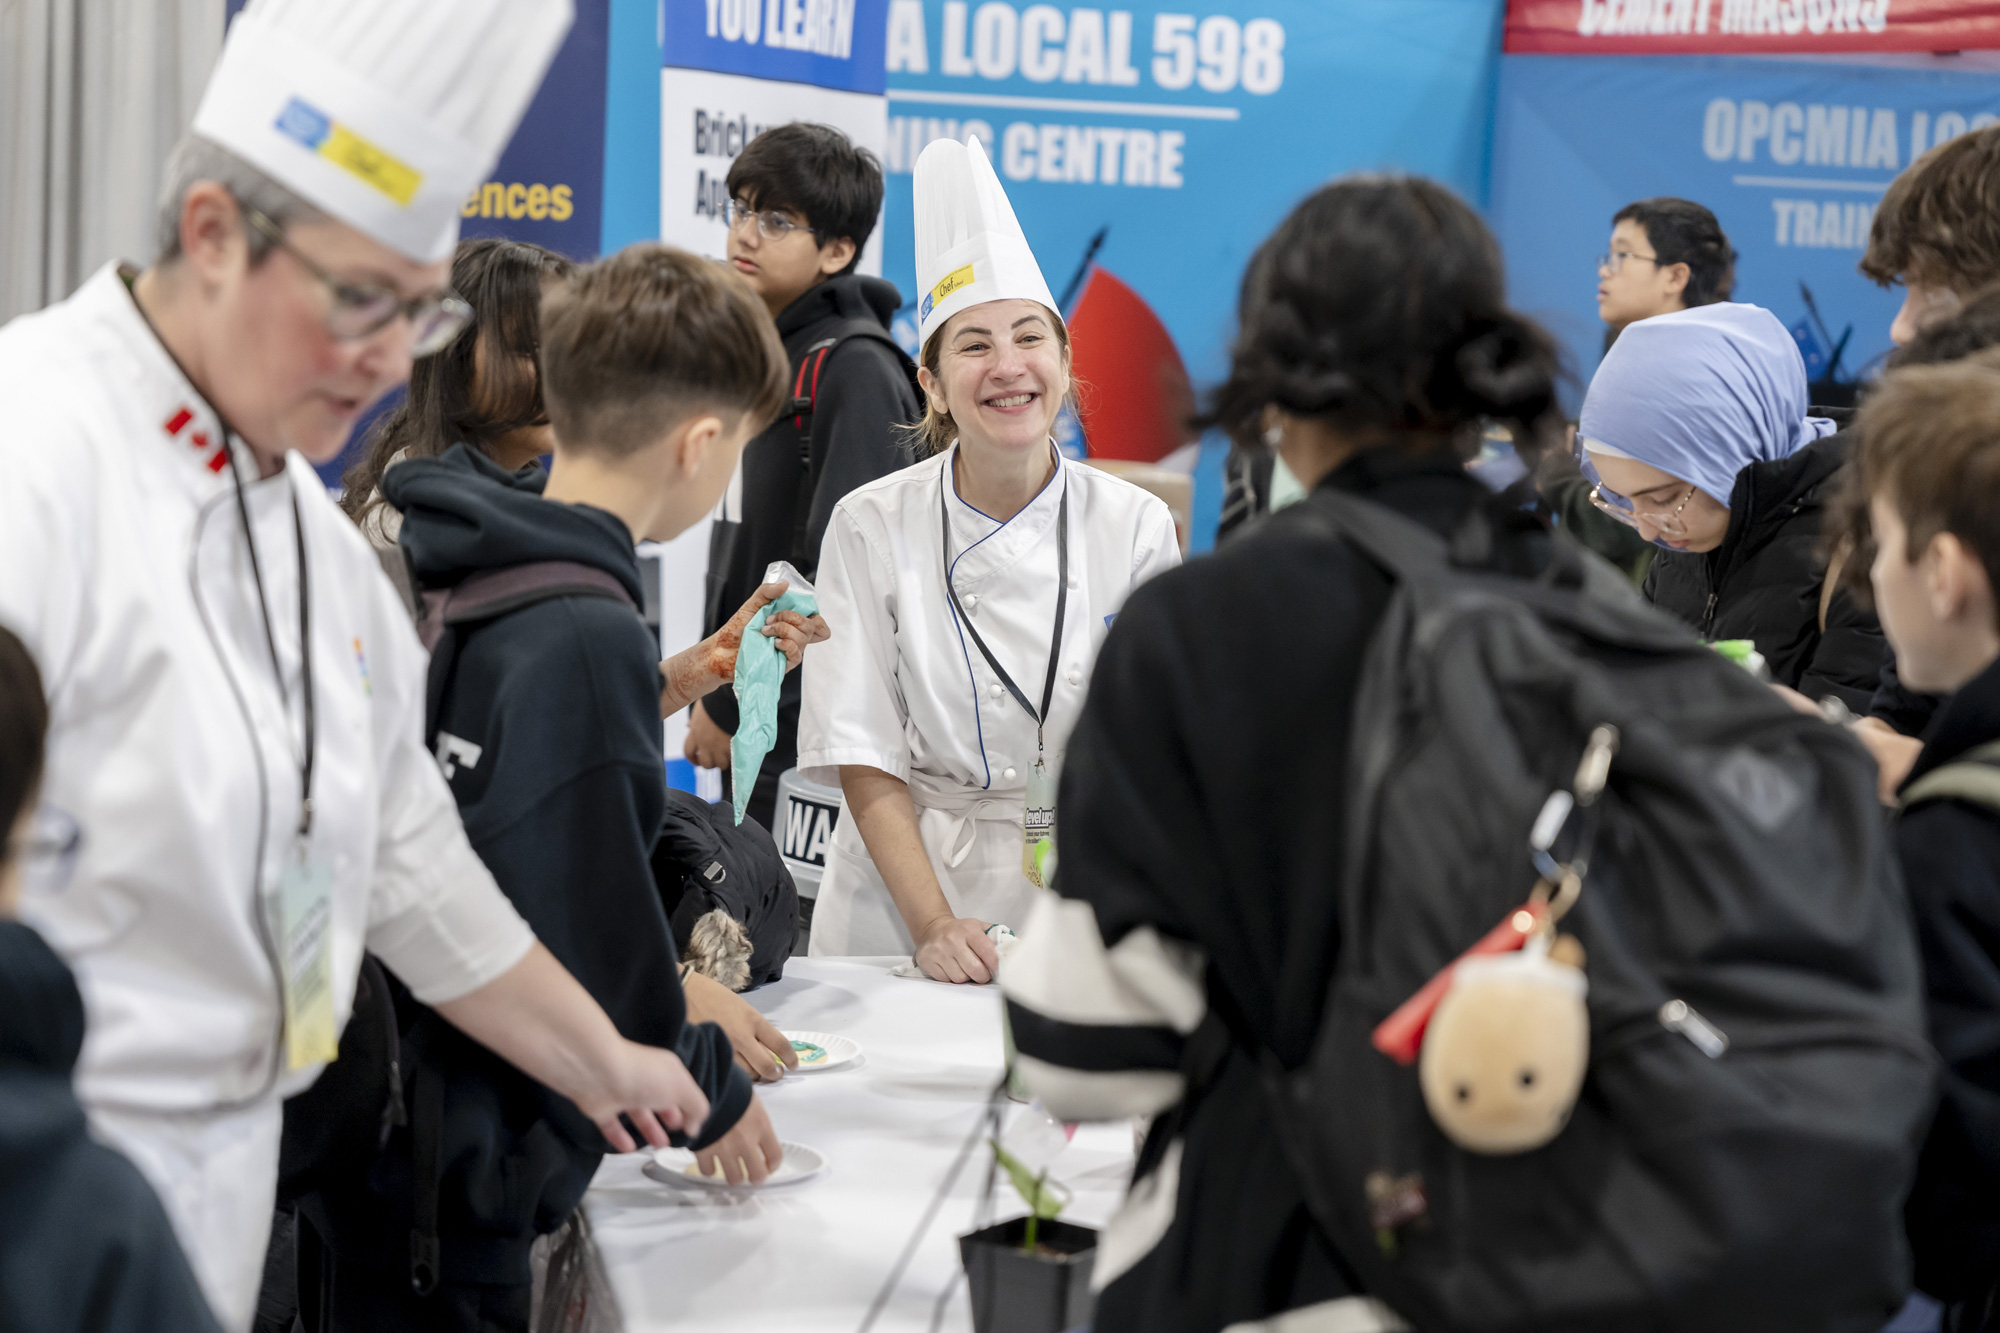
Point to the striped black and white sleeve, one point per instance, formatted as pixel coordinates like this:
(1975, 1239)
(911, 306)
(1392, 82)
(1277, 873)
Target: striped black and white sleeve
(1098, 1032)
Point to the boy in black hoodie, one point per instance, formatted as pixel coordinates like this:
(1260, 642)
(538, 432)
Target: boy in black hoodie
(803, 201)
(84, 1243)
(546, 698)
(1930, 473)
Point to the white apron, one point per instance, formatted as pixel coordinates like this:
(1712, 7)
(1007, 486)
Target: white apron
(974, 841)
(900, 688)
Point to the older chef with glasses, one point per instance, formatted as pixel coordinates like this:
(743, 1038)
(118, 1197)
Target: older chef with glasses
(236, 694)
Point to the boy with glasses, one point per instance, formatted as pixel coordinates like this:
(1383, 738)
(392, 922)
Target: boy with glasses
(1666, 255)
(803, 202)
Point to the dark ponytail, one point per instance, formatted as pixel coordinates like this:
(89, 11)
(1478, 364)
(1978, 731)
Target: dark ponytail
(1378, 307)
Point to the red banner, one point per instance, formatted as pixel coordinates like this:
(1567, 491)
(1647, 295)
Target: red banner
(1749, 27)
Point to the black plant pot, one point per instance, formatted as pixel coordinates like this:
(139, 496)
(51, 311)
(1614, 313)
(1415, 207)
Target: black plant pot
(1047, 1291)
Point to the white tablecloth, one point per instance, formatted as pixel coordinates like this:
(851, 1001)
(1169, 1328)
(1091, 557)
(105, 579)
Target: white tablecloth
(813, 1256)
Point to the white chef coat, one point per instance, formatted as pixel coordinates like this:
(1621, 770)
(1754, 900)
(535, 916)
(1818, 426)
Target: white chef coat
(901, 688)
(123, 567)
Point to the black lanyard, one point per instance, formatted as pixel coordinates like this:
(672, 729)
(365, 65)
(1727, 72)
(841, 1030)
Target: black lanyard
(1040, 718)
(257, 573)
(271, 638)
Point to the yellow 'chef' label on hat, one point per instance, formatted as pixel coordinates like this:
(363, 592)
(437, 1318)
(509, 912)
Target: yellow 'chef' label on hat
(949, 283)
(349, 151)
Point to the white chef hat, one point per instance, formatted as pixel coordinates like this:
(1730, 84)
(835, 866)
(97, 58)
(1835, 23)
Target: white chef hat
(970, 248)
(386, 114)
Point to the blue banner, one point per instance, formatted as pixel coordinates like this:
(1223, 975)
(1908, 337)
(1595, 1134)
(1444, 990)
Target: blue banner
(548, 187)
(1792, 156)
(830, 43)
(1184, 137)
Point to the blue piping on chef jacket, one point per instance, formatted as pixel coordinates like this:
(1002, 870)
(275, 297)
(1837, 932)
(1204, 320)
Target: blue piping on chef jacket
(950, 577)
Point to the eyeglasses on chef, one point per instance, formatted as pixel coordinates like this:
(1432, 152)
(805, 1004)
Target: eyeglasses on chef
(359, 310)
(772, 224)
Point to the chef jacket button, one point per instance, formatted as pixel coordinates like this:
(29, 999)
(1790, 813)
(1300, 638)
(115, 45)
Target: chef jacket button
(1073, 582)
(994, 689)
(971, 600)
(1076, 677)
(1007, 773)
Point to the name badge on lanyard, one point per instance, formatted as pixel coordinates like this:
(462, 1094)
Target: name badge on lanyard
(305, 886)
(305, 910)
(1038, 812)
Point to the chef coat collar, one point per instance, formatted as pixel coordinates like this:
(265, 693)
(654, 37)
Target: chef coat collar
(984, 546)
(187, 425)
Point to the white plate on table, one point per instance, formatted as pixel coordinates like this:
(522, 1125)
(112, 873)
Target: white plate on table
(837, 1051)
(670, 1166)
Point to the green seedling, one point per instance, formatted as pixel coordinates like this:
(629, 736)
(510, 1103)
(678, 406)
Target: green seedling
(1045, 1198)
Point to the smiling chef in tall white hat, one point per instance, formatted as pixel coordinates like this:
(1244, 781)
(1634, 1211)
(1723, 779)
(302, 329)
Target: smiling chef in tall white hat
(968, 596)
(236, 694)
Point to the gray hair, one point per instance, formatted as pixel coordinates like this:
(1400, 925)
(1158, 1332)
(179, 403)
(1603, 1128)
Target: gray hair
(195, 159)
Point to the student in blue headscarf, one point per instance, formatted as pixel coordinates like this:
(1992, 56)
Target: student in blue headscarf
(1696, 431)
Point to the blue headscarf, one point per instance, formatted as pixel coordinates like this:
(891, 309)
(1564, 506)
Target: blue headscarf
(1701, 394)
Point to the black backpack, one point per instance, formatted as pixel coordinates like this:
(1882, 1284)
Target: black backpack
(733, 905)
(1759, 1079)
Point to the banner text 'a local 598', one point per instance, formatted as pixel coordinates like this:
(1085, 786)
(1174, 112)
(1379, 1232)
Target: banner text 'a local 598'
(1084, 48)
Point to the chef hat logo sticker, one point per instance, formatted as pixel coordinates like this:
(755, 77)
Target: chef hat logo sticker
(344, 148)
(970, 246)
(384, 114)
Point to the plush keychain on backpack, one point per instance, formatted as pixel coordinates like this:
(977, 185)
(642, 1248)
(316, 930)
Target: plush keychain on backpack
(1504, 1054)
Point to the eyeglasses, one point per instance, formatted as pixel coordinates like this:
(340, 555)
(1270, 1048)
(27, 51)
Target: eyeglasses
(359, 309)
(48, 853)
(1615, 261)
(1666, 522)
(772, 225)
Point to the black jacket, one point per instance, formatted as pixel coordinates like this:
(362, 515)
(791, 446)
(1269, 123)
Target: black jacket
(864, 394)
(1897, 704)
(1765, 581)
(1950, 852)
(1201, 787)
(84, 1243)
(559, 777)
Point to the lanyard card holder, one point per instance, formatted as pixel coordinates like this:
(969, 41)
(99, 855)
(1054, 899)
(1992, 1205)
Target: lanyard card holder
(305, 915)
(1038, 824)
(1038, 809)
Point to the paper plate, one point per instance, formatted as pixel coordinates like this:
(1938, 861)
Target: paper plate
(820, 1051)
(670, 1167)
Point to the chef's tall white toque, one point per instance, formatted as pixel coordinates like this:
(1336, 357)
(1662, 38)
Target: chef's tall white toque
(970, 247)
(384, 113)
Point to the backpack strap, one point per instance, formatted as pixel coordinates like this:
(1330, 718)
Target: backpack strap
(806, 374)
(1406, 550)
(488, 595)
(1973, 777)
(495, 592)
(426, 1152)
